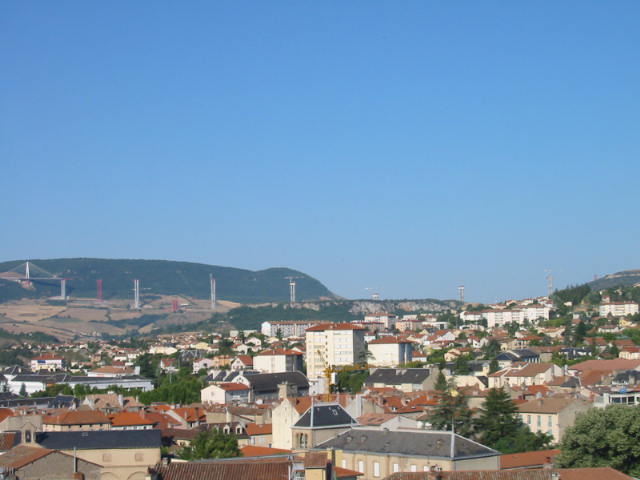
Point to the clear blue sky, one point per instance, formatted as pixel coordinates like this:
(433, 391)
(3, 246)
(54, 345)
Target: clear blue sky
(407, 146)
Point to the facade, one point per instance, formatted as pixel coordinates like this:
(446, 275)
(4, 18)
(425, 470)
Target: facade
(224, 393)
(48, 363)
(380, 453)
(390, 351)
(287, 328)
(403, 379)
(333, 345)
(278, 360)
(552, 415)
(618, 309)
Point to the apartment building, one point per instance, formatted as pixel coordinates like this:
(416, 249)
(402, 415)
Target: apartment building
(287, 328)
(390, 351)
(618, 309)
(333, 345)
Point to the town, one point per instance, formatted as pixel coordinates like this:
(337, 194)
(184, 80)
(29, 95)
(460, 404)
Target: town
(513, 388)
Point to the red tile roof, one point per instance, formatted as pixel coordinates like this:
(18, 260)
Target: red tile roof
(527, 459)
(256, 451)
(124, 419)
(77, 417)
(255, 429)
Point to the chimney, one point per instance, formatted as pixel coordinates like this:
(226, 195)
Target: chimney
(548, 464)
(283, 391)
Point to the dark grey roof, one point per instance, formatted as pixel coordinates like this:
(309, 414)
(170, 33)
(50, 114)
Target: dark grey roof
(627, 377)
(431, 444)
(326, 415)
(512, 357)
(266, 382)
(398, 376)
(525, 353)
(100, 439)
(51, 378)
(59, 401)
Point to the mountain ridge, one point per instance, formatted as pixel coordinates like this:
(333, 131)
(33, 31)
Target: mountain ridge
(164, 277)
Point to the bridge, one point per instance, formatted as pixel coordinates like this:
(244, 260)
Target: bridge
(28, 272)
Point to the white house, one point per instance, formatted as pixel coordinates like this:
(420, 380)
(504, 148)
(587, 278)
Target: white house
(390, 351)
(225, 393)
(618, 309)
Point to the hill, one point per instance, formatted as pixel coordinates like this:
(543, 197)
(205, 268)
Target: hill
(626, 278)
(163, 277)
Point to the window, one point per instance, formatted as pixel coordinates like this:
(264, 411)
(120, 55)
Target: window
(139, 457)
(361, 466)
(550, 422)
(106, 457)
(528, 419)
(413, 468)
(539, 421)
(396, 468)
(344, 464)
(376, 469)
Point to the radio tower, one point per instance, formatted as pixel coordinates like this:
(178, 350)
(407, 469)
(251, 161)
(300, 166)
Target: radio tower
(549, 282)
(461, 293)
(63, 288)
(136, 294)
(212, 287)
(99, 289)
(292, 289)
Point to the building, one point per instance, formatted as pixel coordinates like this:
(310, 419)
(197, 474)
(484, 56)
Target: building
(390, 351)
(321, 422)
(47, 362)
(264, 386)
(123, 455)
(224, 393)
(278, 360)
(287, 328)
(617, 309)
(388, 320)
(379, 453)
(333, 345)
(552, 415)
(27, 462)
(403, 379)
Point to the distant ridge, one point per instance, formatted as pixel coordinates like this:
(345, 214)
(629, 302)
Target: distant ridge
(624, 278)
(165, 277)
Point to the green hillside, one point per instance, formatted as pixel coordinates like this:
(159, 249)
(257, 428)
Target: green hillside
(163, 277)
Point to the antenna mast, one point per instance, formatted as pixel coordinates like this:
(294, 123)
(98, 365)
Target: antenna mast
(212, 288)
(136, 294)
(461, 293)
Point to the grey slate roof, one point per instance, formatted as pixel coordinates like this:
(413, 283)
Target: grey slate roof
(100, 439)
(266, 382)
(398, 376)
(325, 416)
(432, 444)
(59, 401)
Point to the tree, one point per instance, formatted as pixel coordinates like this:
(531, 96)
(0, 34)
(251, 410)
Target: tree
(452, 409)
(499, 426)
(23, 390)
(608, 437)
(494, 366)
(211, 444)
(461, 366)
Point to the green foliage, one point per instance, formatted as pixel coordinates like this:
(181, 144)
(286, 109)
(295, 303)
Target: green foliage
(451, 409)
(494, 366)
(54, 390)
(461, 365)
(351, 380)
(211, 444)
(163, 277)
(499, 426)
(23, 390)
(608, 437)
(183, 388)
(574, 294)
(149, 365)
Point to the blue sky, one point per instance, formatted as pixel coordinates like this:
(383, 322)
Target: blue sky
(406, 146)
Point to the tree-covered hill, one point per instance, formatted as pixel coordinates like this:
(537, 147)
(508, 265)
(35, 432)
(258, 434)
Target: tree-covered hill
(625, 278)
(163, 277)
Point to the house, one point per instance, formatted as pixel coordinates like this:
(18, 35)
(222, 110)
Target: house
(509, 357)
(47, 362)
(109, 371)
(552, 415)
(76, 421)
(598, 473)
(242, 362)
(131, 421)
(278, 360)
(319, 423)
(390, 351)
(379, 453)
(261, 435)
(168, 365)
(527, 460)
(123, 455)
(404, 379)
(264, 386)
(224, 393)
(31, 462)
(202, 364)
(524, 374)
